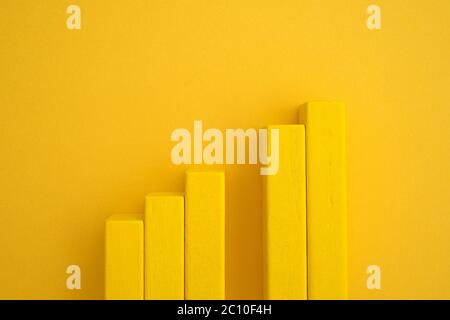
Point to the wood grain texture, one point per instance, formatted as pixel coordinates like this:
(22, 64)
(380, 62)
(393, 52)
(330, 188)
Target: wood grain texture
(326, 200)
(205, 235)
(284, 219)
(164, 246)
(124, 257)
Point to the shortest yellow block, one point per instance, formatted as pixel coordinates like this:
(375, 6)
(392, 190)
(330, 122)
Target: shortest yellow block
(124, 257)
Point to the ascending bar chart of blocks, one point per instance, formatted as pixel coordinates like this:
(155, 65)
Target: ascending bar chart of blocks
(304, 224)
(211, 153)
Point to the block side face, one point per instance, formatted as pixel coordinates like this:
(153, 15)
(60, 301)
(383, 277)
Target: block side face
(164, 247)
(326, 200)
(285, 269)
(205, 235)
(124, 260)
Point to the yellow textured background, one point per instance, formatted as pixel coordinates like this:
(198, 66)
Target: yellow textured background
(86, 117)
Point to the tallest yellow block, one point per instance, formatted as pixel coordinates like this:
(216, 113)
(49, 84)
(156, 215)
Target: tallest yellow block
(326, 200)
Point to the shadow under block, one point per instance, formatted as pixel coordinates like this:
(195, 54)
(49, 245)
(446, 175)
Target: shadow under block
(124, 257)
(326, 200)
(284, 220)
(205, 235)
(164, 246)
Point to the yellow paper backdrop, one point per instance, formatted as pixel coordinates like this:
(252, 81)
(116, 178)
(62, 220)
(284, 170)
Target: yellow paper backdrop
(86, 117)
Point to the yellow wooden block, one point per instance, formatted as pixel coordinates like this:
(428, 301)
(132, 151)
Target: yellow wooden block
(164, 246)
(326, 200)
(284, 221)
(205, 235)
(124, 257)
